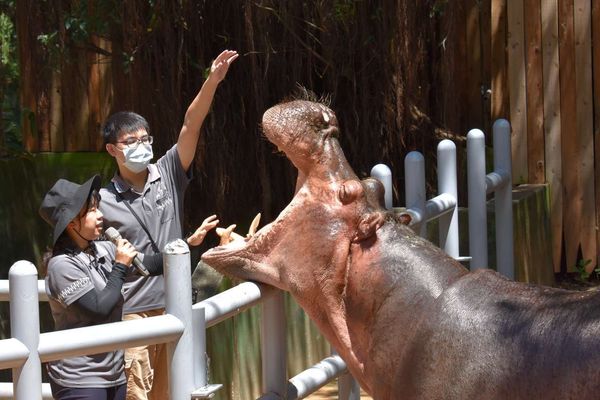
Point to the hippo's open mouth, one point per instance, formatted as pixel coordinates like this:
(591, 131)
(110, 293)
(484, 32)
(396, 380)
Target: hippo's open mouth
(241, 256)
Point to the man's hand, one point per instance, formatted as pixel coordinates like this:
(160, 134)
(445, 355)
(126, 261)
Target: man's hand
(198, 109)
(227, 235)
(220, 66)
(198, 236)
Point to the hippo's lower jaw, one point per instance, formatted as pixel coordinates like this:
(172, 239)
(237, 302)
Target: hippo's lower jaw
(231, 262)
(241, 259)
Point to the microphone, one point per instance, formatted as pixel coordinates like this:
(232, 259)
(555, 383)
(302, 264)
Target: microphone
(113, 235)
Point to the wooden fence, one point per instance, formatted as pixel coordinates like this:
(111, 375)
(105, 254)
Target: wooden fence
(530, 61)
(546, 80)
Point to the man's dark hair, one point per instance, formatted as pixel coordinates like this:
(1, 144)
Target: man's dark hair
(123, 121)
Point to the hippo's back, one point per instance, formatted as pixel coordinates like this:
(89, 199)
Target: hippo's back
(492, 338)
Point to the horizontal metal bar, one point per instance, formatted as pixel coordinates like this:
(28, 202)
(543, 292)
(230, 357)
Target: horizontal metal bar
(108, 337)
(311, 379)
(495, 180)
(6, 391)
(439, 205)
(464, 258)
(434, 208)
(13, 353)
(206, 392)
(5, 293)
(233, 301)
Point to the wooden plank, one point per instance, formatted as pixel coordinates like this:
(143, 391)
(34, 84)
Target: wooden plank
(105, 90)
(485, 22)
(535, 95)
(585, 127)
(517, 89)
(596, 77)
(97, 93)
(499, 75)
(569, 135)
(454, 70)
(473, 59)
(57, 131)
(552, 124)
(26, 46)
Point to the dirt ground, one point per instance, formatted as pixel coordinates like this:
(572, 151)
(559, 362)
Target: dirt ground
(329, 392)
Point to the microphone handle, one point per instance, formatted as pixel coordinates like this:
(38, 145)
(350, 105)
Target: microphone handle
(140, 267)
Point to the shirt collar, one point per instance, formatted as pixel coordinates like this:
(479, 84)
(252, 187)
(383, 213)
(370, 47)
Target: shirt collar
(100, 253)
(121, 186)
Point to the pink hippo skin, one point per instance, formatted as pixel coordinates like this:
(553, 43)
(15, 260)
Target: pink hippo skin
(410, 322)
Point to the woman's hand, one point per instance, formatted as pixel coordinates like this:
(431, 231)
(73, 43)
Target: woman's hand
(197, 237)
(125, 252)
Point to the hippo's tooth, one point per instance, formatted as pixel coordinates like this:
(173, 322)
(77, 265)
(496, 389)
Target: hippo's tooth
(253, 226)
(227, 235)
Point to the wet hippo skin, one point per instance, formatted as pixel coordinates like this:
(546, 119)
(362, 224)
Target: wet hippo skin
(410, 322)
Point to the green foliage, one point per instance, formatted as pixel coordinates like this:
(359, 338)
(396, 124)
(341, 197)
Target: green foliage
(10, 137)
(438, 7)
(82, 20)
(580, 267)
(344, 10)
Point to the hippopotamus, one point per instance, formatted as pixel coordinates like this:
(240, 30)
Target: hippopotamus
(409, 321)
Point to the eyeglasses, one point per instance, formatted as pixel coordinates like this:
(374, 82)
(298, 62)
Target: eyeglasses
(133, 142)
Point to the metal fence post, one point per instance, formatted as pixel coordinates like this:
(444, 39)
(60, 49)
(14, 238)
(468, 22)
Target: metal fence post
(178, 296)
(200, 367)
(503, 199)
(273, 346)
(448, 223)
(477, 199)
(25, 326)
(414, 169)
(383, 173)
(348, 388)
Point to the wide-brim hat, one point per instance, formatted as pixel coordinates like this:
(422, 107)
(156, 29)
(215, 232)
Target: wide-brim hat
(63, 202)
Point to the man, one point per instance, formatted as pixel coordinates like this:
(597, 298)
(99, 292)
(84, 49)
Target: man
(144, 202)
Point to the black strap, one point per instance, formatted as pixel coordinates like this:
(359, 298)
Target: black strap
(120, 196)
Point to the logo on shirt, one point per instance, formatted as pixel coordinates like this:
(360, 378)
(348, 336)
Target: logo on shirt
(163, 198)
(73, 288)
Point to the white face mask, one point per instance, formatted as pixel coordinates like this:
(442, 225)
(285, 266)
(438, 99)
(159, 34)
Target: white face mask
(136, 160)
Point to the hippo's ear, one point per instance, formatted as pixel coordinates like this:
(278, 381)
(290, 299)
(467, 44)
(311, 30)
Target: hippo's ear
(374, 192)
(368, 225)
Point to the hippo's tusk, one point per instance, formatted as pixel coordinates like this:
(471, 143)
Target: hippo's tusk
(253, 226)
(227, 235)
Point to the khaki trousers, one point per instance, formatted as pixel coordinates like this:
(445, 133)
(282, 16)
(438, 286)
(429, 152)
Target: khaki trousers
(146, 366)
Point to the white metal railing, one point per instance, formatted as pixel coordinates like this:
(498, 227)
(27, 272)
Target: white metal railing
(498, 182)
(183, 328)
(444, 205)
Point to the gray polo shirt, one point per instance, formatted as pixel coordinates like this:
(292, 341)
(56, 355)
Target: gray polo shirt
(160, 207)
(69, 277)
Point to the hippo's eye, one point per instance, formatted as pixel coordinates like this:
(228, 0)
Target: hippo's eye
(349, 191)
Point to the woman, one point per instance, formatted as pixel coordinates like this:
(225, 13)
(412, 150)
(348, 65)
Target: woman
(83, 283)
